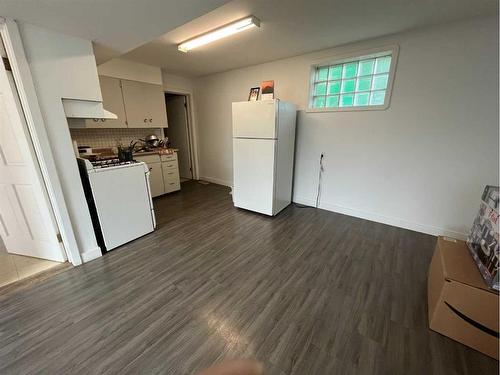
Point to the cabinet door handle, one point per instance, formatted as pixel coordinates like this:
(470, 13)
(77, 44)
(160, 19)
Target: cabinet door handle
(150, 169)
(150, 120)
(145, 120)
(96, 120)
(103, 120)
(172, 183)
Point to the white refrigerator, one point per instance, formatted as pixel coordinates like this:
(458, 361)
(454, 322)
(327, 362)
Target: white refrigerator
(263, 154)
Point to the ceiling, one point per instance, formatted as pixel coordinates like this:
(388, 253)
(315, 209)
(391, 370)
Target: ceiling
(116, 26)
(293, 27)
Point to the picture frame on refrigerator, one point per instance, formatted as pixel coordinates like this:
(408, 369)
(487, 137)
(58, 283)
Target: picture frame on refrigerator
(253, 95)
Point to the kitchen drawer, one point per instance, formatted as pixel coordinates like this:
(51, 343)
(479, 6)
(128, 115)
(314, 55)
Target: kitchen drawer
(171, 179)
(171, 157)
(170, 165)
(147, 158)
(172, 186)
(170, 174)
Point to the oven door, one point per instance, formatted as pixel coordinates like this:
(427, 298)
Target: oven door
(123, 202)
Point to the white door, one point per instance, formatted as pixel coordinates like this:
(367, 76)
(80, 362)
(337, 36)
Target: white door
(178, 132)
(27, 224)
(253, 174)
(255, 119)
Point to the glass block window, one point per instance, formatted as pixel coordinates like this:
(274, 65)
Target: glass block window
(357, 82)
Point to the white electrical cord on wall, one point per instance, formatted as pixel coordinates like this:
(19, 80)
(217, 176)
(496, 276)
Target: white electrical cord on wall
(320, 173)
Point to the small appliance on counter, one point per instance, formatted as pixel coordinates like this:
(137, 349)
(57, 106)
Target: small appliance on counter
(84, 149)
(86, 152)
(119, 199)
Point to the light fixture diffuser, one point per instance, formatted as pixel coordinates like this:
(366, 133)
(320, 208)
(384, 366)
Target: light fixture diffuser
(219, 33)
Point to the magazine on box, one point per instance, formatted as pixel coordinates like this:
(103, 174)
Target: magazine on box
(483, 238)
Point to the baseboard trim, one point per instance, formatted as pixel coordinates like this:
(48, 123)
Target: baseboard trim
(91, 254)
(217, 181)
(394, 221)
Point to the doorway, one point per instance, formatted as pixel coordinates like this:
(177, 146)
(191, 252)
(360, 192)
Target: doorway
(29, 237)
(15, 267)
(179, 132)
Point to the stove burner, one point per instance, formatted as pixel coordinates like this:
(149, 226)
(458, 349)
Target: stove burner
(110, 163)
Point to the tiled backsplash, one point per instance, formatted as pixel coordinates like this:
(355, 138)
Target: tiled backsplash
(100, 138)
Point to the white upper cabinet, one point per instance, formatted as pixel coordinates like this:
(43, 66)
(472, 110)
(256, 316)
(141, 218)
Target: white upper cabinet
(137, 105)
(112, 101)
(144, 105)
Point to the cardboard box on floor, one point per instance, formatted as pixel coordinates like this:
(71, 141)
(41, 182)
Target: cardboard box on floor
(461, 305)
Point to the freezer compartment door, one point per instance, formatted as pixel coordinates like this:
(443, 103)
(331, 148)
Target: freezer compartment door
(123, 204)
(253, 164)
(255, 119)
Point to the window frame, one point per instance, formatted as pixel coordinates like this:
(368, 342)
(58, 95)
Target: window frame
(392, 50)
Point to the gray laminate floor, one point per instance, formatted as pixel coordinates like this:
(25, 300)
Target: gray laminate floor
(306, 292)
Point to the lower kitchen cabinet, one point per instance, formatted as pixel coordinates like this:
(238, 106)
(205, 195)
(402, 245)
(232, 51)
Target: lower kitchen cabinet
(171, 178)
(156, 179)
(164, 169)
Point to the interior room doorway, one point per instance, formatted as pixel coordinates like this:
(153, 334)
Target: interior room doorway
(179, 132)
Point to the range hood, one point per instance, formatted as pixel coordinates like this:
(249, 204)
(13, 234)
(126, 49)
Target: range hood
(78, 108)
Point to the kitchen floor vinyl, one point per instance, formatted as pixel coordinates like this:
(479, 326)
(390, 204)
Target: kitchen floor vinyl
(306, 292)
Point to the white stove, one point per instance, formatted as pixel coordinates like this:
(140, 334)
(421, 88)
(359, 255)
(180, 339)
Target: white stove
(110, 163)
(104, 163)
(119, 200)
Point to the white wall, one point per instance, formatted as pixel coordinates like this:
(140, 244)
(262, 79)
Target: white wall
(176, 83)
(131, 70)
(421, 164)
(126, 69)
(64, 67)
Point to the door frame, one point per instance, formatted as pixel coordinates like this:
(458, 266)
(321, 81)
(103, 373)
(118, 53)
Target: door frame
(192, 134)
(9, 33)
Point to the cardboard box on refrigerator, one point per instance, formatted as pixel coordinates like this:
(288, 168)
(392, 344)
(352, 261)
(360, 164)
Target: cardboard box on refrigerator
(461, 305)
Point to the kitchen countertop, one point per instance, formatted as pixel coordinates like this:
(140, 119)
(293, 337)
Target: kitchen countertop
(160, 151)
(166, 151)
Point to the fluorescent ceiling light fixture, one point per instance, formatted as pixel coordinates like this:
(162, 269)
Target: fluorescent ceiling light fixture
(222, 32)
